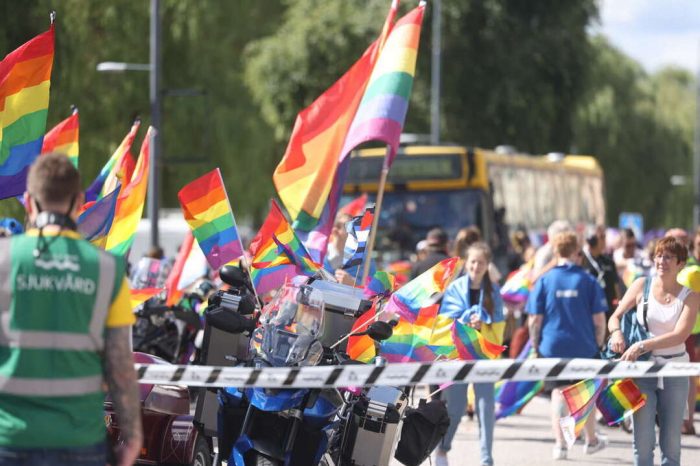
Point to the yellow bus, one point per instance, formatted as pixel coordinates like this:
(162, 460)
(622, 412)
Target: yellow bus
(453, 187)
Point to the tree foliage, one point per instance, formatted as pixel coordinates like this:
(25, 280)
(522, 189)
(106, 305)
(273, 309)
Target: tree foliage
(513, 72)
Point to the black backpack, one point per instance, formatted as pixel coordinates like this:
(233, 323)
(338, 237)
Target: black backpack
(423, 428)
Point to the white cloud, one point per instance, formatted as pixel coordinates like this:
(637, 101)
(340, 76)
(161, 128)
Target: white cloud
(654, 32)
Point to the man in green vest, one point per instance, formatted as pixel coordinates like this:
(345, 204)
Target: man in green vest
(65, 320)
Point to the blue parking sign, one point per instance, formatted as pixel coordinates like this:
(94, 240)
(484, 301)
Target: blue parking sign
(634, 221)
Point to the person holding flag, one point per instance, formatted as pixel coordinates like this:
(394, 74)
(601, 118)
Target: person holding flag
(475, 300)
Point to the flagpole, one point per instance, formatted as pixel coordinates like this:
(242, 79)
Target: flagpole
(377, 212)
(359, 328)
(244, 259)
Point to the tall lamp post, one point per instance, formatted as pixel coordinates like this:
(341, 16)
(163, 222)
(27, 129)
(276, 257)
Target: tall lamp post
(154, 69)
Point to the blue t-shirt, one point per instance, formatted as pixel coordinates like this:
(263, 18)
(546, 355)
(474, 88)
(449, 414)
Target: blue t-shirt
(568, 297)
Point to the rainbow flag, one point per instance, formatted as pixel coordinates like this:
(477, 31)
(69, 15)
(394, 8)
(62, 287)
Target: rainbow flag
(401, 270)
(270, 268)
(25, 79)
(308, 176)
(292, 251)
(174, 292)
(380, 284)
(97, 217)
(425, 339)
(362, 348)
(424, 289)
(119, 163)
(580, 398)
(473, 345)
(63, 138)
(208, 212)
(130, 203)
(620, 400)
(382, 111)
(512, 396)
(139, 297)
(517, 286)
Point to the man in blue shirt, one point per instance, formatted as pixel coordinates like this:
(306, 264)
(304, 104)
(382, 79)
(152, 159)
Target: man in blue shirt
(567, 320)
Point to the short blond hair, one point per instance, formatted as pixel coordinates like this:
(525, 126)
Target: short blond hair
(564, 244)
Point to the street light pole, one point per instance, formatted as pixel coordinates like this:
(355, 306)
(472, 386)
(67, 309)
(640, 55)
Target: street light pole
(154, 91)
(435, 65)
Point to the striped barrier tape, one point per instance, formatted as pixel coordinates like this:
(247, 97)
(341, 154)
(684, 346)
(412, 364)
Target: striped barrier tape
(412, 373)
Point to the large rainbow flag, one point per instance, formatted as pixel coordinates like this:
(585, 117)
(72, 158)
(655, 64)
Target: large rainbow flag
(425, 339)
(382, 111)
(97, 217)
(423, 290)
(305, 175)
(207, 210)
(64, 138)
(271, 265)
(119, 168)
(25, 79)
(130, 203)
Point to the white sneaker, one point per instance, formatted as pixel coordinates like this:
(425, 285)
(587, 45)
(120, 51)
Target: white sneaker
(441, 458)
(559, 452)
(589, 449)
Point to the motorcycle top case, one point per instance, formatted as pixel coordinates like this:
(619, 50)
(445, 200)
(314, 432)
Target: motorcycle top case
(343, 304)
(377, 424)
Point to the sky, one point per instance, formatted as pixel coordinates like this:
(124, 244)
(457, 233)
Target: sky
(656, 33)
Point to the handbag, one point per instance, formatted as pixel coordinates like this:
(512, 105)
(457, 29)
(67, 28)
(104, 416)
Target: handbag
(631, 329)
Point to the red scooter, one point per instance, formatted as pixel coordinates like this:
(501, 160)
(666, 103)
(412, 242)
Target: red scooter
(169, 436)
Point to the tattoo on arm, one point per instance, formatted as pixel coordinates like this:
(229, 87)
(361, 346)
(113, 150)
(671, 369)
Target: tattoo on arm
(121, 380)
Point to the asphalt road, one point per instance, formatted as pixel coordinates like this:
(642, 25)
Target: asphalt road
(526, 439)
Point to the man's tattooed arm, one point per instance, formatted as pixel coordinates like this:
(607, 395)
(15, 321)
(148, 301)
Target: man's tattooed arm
(534, 324)
(123, 388)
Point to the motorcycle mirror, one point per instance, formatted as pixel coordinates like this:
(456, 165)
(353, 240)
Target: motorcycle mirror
(229, 321)
(233, 276)
(379, 331)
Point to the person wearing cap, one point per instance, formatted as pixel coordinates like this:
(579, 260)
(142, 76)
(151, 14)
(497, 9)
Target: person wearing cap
(436, 245)
(66, 316)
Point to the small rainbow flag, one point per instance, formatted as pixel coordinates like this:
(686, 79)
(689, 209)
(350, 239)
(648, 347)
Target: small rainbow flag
(473, 345)
(516, 288)
(620, 400)
(355, 207)
(64, 137)
(25, 79)
(419, 292)
(383, 108)
(106, 180)
(139, 297)
(401, 270)
(207, 210)
(270, 265)
(361, 348)
(292, 251)
(580, 398)
(380, 284)
(189, 265)
(130, 203)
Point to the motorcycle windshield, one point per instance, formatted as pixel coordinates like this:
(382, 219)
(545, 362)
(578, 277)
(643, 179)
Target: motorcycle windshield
(290, 325)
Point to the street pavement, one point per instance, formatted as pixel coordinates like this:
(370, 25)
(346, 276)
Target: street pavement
(526, 439)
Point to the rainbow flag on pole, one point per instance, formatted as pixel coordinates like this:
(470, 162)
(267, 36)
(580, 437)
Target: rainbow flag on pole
(120, 166)
(512, 395)
(207, 210)
(620, 400)
(63, 138)
(130, 203)
(382, 111)
(580, 398)
(25, 79)
(277, 253)
(97, 217)
(425, 339)
(362, 348)
(380, 284)
(142, 295)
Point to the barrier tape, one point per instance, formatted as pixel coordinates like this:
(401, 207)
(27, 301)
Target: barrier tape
(412, 373)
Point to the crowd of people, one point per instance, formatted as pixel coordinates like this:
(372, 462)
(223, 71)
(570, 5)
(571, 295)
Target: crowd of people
(583, 283)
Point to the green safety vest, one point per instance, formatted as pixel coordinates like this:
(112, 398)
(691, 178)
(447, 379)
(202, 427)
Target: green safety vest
(52, 326)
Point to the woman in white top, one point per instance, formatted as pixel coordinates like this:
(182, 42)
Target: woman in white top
(671, 314)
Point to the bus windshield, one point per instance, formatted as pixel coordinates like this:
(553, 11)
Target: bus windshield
(406, 217)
